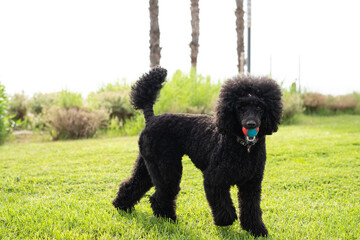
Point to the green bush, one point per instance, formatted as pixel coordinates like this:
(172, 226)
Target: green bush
(74, 122)
(114, 98)
(188, 93)
(38, 106)
(118, 86)
(5, 121)
(133, 126)
(67, 99)
(116, 104)
(183, 93)
(36, 121)
(18, 106)
(292, 104)
(40, 102)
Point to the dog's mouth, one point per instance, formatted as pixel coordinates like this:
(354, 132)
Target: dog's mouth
(250, 137)
(251, 133)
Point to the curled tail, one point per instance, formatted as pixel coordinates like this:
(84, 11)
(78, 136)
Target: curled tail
(145, 91)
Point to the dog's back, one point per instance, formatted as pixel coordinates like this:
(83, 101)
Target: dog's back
(190, 134)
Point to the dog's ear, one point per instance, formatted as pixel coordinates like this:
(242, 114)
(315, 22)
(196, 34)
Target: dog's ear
(270, 93)
(225, 118)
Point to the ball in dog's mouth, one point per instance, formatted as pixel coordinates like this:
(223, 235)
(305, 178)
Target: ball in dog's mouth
(250, 133)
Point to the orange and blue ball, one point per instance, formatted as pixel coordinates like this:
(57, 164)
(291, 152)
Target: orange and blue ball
(250, 132)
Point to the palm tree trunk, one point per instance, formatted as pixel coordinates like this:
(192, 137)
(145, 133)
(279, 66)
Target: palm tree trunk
(154, 34)
(194, 44)
(240, 35)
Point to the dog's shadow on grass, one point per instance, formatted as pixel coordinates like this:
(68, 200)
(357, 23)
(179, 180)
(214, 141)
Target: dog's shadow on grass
(167, 229)
(161, 227)
(230, 233)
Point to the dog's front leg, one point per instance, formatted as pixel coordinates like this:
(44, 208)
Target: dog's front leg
(222, 208)
(249, 204)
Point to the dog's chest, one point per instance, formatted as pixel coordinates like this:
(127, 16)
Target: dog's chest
(244, 166)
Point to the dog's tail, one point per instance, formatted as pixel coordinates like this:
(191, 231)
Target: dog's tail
(145, 91)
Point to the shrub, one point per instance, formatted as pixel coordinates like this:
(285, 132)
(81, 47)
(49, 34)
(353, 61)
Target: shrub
(357, 99)
(292, 106)
(133, 126)
(40, 102)
(328, 104)
(188, 93)
(115, 102)
(38, 106)
(313, 102)
(74, 122)
(37, 121)
(344, 103)
(119, 86)
(5, 121)
(18, 106)
(67, 99)
(183, 93)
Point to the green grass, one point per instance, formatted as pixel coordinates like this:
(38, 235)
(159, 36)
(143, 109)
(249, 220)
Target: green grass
(63, 190)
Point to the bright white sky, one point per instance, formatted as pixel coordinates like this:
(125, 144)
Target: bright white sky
(49, 45)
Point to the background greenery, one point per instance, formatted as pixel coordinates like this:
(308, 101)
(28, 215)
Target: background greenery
(5, 121)
(64, 189)
(107, 112)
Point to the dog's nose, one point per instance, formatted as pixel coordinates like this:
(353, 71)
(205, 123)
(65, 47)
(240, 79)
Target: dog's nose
(250, 124)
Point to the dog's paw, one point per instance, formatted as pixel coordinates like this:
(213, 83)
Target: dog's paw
(257, 230)
(225, 218)
(164, 210)
(121, 205)
(263, 232)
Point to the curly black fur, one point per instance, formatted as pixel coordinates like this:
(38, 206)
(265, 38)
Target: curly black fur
(214, 144)
(146, 90)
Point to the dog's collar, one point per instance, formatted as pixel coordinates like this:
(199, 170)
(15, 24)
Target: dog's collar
(247, 142)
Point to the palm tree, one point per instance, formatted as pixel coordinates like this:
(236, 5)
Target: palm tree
(194, 44)
(240, 35)
(154, 34)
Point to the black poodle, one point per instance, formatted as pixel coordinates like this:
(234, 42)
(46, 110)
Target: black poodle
(219, 146)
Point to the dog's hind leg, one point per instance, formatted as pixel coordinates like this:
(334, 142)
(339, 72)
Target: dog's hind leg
(132, 189)
(166, 174)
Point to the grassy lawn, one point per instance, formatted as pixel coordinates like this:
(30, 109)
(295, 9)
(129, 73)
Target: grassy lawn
(63, 190)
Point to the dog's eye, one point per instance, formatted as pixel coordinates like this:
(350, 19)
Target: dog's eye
(259, 108)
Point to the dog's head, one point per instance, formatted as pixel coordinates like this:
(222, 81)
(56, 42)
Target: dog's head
(249, 102)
